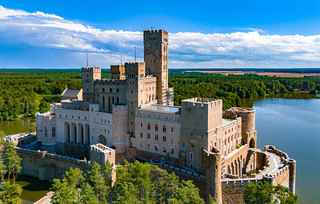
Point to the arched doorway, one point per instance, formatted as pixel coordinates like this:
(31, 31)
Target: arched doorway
(102, 140)
(67, 132)
(252, 143)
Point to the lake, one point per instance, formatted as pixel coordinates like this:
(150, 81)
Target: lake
(291, 125)
(18, 126)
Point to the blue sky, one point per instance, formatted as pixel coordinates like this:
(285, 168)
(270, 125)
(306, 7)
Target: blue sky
(57, 34)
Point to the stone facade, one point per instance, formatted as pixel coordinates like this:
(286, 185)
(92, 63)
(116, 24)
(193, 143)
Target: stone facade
(131, 116)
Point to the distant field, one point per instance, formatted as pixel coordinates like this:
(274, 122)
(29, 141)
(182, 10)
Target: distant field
(271, 74)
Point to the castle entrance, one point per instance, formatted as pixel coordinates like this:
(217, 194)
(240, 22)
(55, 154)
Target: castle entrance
(102, 140)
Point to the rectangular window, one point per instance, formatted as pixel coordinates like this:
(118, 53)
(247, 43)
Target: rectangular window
(141, 134)
(148, 135)
(156, 137)
(164, 138)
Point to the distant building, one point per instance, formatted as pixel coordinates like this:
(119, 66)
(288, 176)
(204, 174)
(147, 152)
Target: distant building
(133, 113)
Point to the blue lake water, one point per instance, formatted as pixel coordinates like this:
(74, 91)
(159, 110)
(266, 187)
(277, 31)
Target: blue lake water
(293, 125)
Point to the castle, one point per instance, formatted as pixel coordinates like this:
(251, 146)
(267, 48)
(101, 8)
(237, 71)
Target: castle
(132, 115)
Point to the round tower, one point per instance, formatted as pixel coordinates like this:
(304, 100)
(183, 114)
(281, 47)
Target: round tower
(249, 135)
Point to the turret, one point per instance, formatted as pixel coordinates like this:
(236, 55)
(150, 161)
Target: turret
(249, 134)
(89, 75)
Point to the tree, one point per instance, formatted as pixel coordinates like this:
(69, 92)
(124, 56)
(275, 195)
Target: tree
(265, 192)
(12, 160)
(10, 193)
(136, 183)
(3, 168)
(96, 179)
(187, 193)
(63, 192)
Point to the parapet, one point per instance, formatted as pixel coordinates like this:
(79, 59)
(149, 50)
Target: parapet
(242, 109)
(201, 101)
(101, 154)
(159, 31)
(90, 69)
(109, 82)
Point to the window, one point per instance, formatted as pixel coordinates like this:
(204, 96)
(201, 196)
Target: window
(156, 147)
(53, 132)
(156, 137)
(141, 125)
(191, 166)
(164, 129)
(164, 149)
(172, 129)
(110, 89)
(164, 138)
(102, 89)
(191, 156)
(172, 151)
(148, 126)
(149, 146)
(118, 90)
(141, 134)
(156, 127)
(148, 135)
(45, 132)
(171, 141)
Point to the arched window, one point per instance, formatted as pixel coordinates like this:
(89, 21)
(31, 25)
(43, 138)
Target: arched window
(148, 126)
(156, 127)
(164, 129)
(53, 132)
(164, 149)
(102, 140)
(191, 156)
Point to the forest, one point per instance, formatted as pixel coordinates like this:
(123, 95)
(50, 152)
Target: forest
(25, 92)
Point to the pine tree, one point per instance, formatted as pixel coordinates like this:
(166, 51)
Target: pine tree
(12, 160)
(10, 193)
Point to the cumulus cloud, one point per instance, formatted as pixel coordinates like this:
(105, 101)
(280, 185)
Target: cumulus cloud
(186, 49)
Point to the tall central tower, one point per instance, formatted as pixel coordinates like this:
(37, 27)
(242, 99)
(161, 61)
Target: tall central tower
(156, 60)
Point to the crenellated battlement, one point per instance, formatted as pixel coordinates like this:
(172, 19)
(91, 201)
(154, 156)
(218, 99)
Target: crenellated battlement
(90, 69)
(109, 82)
(157, 31)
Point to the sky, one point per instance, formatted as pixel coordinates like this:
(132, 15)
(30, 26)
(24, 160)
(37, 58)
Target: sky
(203, 34)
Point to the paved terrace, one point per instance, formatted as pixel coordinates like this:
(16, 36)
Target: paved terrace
(275, 163)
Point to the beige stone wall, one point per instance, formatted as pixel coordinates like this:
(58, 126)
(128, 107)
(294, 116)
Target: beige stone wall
(120, 136)
(46, 128)
(109, 92)
(156, 59)
(46, 166)
(101, 154)
(157, 132)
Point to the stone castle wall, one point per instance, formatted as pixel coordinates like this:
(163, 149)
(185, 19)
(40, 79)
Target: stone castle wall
(47, 166)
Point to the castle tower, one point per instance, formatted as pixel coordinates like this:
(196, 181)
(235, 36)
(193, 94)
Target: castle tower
(135, 73)
(118, 72)
(156, 60)
(249, 133)
(89, 75)
(199, 119)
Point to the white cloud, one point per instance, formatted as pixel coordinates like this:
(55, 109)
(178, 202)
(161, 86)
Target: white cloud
(186, 49)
